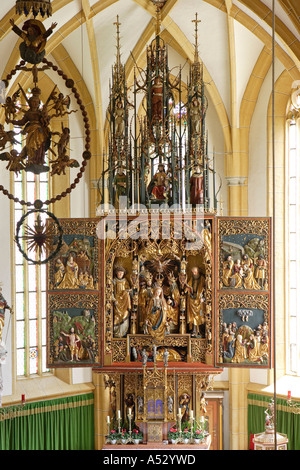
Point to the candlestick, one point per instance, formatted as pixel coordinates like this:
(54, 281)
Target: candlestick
(119, 414)
(192, 414)
(108, 420)
(289, 394)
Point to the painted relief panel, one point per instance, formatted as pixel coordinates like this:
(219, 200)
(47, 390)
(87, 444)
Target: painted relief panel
(76, 266)
(243, 307)
(73, 297)
(73, 329)
(244, 254)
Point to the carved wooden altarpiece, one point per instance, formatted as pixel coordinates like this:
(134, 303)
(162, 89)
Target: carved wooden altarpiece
(153, 373)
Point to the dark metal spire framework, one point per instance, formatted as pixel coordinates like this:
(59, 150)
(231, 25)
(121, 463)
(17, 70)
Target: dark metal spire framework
(159, 123)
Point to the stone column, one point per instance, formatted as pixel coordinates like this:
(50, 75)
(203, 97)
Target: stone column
(101, 409)
(238, 383)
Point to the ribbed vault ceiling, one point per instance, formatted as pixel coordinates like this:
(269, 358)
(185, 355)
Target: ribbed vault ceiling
(234, 36)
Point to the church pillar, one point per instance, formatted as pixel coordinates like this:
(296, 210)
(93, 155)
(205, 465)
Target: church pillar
(238, 383)
(237, 178)
(237, 196)
(101, 409)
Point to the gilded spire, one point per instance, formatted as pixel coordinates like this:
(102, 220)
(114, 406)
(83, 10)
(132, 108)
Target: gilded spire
(196, 53)
(118, 24)
(159, 4)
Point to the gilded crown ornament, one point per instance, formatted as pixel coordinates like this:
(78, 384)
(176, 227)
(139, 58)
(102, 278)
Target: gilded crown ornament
(36, 7)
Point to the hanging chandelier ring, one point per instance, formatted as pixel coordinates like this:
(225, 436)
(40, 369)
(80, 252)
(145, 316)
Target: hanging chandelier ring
(86, 155)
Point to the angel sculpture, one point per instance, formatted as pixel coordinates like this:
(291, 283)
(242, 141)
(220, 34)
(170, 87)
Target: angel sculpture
(61, 104)
(10, 105)
(63, 160)
(14, 159)
(7, 137)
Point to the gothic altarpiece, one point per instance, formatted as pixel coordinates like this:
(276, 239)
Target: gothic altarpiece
(158, 293)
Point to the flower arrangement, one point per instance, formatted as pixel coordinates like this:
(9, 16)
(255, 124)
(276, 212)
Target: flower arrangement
(186, 433)
(136, 434)
(173, 434)
(199, 435)
(112, 436)
(124, 435)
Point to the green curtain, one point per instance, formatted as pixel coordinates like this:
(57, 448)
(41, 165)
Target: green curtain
(287, 421)
(60, 424)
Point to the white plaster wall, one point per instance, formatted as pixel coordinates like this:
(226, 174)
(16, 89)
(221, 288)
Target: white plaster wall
(216, 147)
(257, 180)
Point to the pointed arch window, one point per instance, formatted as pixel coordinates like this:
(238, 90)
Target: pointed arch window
(29, 282)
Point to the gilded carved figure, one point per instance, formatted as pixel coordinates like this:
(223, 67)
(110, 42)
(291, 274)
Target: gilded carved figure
(196, 187)
(157, 314)
(119, 185)
(196, 301)
(119, 119)
(70, 279)
(121, 302)
(159, 185)
(195, 113)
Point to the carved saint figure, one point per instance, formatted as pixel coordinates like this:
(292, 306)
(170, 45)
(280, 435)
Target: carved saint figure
(203, 405)
(253, 349)
(227, 270)
(59, 272)
(119, 119)
(157, 314)
(240, 350)
(142, 302)
(120, 186)
(196, 187)
(173, 300)
(195, 301)
(157, 99)
(249, 281)
(260, 271)
(70, 279)
(74, 343)
(195, 113)
(159, 184)
(122, 302)
(237, 275)
(184, 405)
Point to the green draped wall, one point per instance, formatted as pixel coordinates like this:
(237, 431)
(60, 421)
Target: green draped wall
(60, 424)
(287, 421)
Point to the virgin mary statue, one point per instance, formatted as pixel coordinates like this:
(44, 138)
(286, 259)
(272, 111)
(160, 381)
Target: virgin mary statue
(157, 312)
